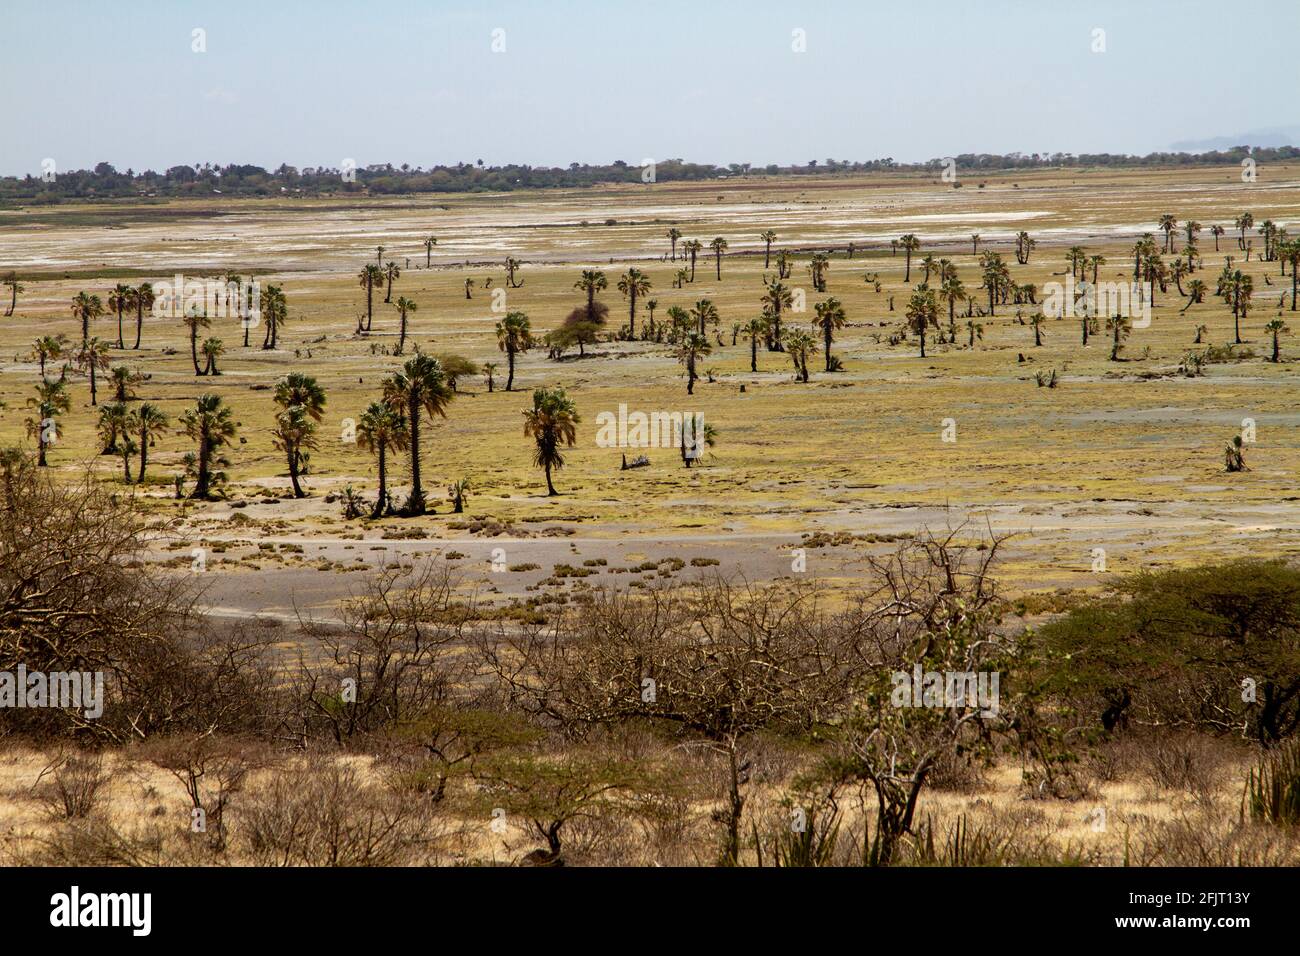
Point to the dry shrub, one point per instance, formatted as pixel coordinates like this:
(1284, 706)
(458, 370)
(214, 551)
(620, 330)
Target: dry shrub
(1212, 836)
(324, 814)
(1188, 762)
(73, 785)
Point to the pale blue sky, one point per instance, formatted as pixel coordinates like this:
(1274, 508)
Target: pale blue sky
(310, 83)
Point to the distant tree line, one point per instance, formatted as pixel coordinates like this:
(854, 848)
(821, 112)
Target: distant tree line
(206, 179)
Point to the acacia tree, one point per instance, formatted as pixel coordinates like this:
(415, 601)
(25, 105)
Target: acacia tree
(551, 423)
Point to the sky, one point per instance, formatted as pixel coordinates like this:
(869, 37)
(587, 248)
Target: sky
(593, 81)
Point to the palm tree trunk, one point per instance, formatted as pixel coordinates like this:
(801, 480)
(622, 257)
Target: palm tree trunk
(120, 343)
(293, 473)
(194, 351)
(550, 488)
(144, 452)
(753, 353)
(510, 361)
(415, 505)
(383, 483)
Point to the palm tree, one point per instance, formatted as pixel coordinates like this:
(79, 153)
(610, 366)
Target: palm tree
(692, 248)
(704, 311)
(673, 235)
(49, 348)
(830, 316)
(1243, 222)
(194, 321)
(379, 255)
(514, 335)
(1291, 255)
(976, 331)
(382, 429)
(1216, 231)
(974, 243)
(86, 308)
(91, 359)
(275, 310)
(113, 421)
(775, 299)
(143, 298)
(757, 327)
(929, 264)
(632, 284)
(391, 272)
(1201, 332)
(489, 375)
(370, 277)
(1119, 328)
(1167, 225)
(922, 312)
(119, 300)
(429, 243)
(148, 420)
(719, 246)
(767, 236)
(419, 386)
(798, 344)
(692, 348)
(952, 291)
(551, 423)
(213, 349)
(457, 492)
(298, 389)
(212, 424)
(650, 306)
(404, 306)
(1036, 323)
(694, 442)
(512, 269)
(1237, 288)
(1276, 328)
(295, 435)
(909, 244)
(817, 270)
(50, 402)
(124, 380)
(591, 282)
(1096, 262)
(11, 280)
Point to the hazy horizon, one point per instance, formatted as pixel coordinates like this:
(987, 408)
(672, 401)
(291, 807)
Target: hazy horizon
(577, 81)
